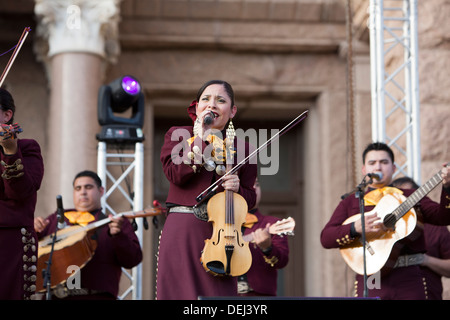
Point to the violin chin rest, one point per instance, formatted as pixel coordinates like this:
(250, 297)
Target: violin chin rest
(216, 267)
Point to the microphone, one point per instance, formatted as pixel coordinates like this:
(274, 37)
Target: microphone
(375, 175)
(209, 118)
(60, 212)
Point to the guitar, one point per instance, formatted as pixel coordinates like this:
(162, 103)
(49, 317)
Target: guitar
(400, 218)
(281, 227)
(74, 246)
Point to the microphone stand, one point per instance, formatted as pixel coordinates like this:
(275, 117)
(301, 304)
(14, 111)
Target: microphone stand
(359, 194)
(47, 272)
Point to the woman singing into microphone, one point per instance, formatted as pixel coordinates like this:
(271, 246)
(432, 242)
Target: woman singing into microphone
(192, 160)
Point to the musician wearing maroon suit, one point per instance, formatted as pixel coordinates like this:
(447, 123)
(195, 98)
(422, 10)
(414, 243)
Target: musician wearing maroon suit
(436, 261)
(21, 172)
(406, 279)
(191, 169)
(269, 254)
(117, 244)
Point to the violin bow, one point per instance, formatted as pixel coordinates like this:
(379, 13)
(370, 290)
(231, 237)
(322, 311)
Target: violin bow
(208, 191)
(15, 53)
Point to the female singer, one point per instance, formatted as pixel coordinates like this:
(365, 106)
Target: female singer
(190, 170)
(22, 169)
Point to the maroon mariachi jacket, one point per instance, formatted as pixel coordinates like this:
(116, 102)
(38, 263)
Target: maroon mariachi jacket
(103, 271)
(437, 239)
(185, 182)
(334, 234)
(21, 176)
(262, 276)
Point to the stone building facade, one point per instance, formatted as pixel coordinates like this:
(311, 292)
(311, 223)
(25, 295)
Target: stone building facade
(281, 56)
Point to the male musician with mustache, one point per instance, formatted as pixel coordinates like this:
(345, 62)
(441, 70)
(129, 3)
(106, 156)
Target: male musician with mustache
(406, 279)
(117, 244)
(21, 173)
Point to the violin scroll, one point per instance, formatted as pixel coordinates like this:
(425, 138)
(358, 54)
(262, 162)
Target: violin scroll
(10, 131)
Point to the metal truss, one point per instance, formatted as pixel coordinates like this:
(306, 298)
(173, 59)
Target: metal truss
(395, 81)
(130, 164)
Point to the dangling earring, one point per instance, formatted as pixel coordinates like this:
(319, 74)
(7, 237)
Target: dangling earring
(230, 125)
(231, 133)
(197, 126)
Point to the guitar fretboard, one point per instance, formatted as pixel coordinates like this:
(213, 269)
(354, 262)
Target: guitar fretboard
(418, 195)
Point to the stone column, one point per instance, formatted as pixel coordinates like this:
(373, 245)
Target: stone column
(75, 40)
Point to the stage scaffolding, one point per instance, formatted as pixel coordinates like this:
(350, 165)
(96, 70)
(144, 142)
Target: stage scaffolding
(116, 168)
(395, 81)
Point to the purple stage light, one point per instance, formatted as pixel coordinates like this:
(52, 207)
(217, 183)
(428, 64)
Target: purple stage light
(130, 85)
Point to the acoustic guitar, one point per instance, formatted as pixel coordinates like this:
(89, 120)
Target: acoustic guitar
(400, 220)
(281, 227)
(74, 246)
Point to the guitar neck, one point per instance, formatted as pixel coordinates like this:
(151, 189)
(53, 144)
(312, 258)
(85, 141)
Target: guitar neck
(99, 223)
(281, 227)
(418, 195)
(249, 237)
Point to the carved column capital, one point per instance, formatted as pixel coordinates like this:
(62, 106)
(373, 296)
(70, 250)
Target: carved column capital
(77, 26)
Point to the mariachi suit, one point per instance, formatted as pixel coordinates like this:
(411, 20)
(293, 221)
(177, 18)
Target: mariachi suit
(20, 179)
(402, 282)
(180, 275)
(262, 276)
(101, 275)
(437, 239)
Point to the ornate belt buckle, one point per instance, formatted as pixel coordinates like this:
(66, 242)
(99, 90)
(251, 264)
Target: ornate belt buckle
(201, 212)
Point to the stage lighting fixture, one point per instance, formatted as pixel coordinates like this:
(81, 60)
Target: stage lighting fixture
(117, 97)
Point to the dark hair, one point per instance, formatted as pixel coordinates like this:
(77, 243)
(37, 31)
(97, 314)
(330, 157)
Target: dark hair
(91, 174)
(377, 146)
(7, 103)
(226, 85)
(399, 181)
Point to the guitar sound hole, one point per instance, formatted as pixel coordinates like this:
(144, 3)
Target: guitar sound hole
(389, 221)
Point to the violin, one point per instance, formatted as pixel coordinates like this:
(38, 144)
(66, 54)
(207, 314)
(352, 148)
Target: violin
(226, 252)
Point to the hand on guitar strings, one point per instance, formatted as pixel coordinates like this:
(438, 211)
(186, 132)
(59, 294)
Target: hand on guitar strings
(445, 174)
(115, 226)
(373, 224)
(262, 237)
(40, 224)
